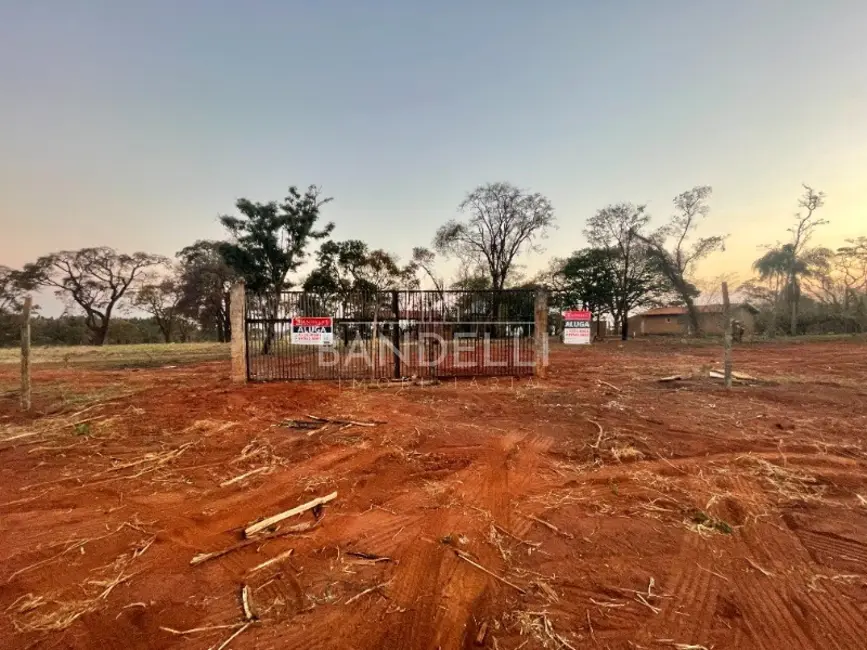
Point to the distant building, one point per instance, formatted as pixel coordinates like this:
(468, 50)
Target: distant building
(675, 321)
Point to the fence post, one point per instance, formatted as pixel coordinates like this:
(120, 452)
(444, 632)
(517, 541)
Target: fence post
(25, 354)
(237, 311)
(727, 336)
(541, 333)
(395, 333)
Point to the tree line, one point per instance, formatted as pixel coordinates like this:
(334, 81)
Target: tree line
(628, 266)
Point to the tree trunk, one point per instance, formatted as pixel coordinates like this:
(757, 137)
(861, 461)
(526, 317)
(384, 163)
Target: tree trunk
(271, 309)
(692, 313)
(98, 334)
(624, 328)
(793, 327)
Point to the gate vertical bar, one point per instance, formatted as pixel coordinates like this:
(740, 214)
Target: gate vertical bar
(25, 398)
(237, 309)
(541, 333)
(395, 333)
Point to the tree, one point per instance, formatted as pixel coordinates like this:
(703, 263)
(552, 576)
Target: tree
(839, 283)
(783, 270)
(11, 292)
(802, 231)
(589, 277)
(674, 253)
(424, 260)
(161, 297)
(350, 266)
(205, 282)
(269, 241)
(637, 278)
(501, 222)
(94, 279)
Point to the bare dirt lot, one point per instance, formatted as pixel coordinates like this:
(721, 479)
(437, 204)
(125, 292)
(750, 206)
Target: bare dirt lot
(598, 508)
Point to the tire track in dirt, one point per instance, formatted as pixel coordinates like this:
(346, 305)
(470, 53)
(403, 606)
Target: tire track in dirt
(828, 549)
(782, 608)
(444, 596)
(690, 595)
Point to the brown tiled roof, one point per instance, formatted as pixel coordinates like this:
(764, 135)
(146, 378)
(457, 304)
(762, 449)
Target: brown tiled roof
(680, 311)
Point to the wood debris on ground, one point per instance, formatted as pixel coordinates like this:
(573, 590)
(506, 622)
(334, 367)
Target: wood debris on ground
(258, 527)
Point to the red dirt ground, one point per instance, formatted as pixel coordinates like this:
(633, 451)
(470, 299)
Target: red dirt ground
(697, 516)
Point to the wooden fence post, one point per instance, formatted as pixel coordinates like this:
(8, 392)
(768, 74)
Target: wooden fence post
(25, 354)
(541, 333)
(237, 311)
(727, 336)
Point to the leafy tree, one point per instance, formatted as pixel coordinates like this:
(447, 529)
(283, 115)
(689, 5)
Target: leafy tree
(94, 279)
(675, 254)
(637, 278)
(783, 270)
(501, 222)
(269, 241)
(161, 297)
(350, 266)
(589, 277)
(11, 292)
(205, 282)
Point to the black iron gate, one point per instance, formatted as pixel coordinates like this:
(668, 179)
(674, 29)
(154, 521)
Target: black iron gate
(390, 334)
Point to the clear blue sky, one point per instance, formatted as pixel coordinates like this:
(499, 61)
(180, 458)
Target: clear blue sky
(134, 124)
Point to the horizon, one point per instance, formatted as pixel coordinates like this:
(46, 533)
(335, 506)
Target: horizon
(135, 126)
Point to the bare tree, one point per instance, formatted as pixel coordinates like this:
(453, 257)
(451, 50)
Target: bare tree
(637, 281)
(424, 259)
(502, 222)
(676, 254)
(94, 279)
(840, 283)
(802, 230)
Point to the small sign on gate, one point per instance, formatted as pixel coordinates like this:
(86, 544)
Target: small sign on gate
(576, 327)
(307, 330)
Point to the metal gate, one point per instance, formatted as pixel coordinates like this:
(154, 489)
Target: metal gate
(390, 334)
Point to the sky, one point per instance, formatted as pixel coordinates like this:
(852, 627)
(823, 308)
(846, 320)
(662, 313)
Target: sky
(135, 124)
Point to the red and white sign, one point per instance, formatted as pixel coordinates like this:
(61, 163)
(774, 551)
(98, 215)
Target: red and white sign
(576, 327)
(308, 330)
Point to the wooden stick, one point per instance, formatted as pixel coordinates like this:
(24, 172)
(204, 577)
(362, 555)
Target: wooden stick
(466, 558)
(590, 625)
(273, 560)
(482, 633)
(245, 603)
(552, 527)
(367, 591)
(196, 630)
(25, 354)
(299, 528)
(599, 439)
(243, 476)
(727, 336)
(204, 557)
(639, 598)
(232, 638)
(275, 519)
(605, 383)
(353, 422)
(759, 568)
(516, 538)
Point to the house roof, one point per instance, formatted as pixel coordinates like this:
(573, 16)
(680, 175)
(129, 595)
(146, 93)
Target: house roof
(704, 309)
